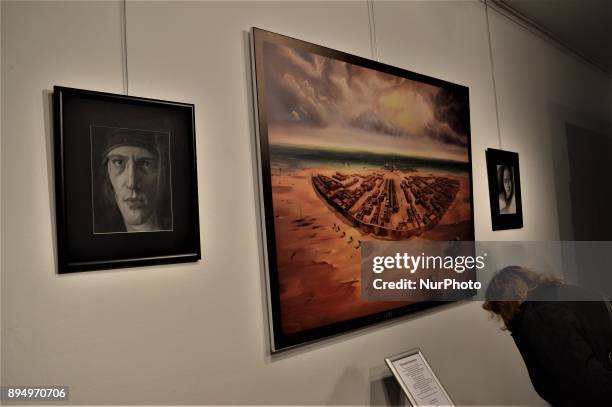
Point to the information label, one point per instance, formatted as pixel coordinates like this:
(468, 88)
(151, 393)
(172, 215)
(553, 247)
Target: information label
(418, 380)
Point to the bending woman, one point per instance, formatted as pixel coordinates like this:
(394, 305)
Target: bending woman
(565, 341)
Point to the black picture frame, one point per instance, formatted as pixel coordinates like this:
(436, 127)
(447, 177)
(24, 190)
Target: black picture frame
(506, 207)
(126, 190)
(280, 341)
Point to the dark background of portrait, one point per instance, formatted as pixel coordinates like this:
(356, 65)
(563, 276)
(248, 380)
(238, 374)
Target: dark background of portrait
(106, 215)
(78, 247)
(496, 158)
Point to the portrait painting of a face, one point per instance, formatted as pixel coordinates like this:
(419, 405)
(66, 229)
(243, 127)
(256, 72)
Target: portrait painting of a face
(504, 189)
(130, 180)
(353, 151)
(126, 181)
(507, 202)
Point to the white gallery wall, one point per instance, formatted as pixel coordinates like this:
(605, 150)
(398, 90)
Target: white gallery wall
(197, 333)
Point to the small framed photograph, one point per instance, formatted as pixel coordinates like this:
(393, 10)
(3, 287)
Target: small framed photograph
(418, 381)
(504, 189)
(126, 181)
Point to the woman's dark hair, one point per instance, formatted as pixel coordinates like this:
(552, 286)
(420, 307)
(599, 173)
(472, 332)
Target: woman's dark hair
(509, 288)
(500, 181)
(107, 217)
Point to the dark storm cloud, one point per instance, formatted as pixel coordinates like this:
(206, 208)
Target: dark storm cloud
(452, 109)
(443, 133)
(298, 88)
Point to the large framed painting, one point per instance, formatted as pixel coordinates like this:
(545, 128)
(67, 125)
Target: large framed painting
(126, 183)
(350, 150)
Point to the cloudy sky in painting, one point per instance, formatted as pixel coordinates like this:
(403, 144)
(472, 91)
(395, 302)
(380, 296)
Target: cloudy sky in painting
(320, 102)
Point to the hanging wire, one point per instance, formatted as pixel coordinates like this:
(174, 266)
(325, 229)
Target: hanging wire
(486, 3)
(373, 43)
(124, 47)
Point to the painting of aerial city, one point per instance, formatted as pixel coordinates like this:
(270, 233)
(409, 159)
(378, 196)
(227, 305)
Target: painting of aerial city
(355, 154)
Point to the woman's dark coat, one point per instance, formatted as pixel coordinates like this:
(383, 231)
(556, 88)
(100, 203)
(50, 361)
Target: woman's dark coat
(566, 345)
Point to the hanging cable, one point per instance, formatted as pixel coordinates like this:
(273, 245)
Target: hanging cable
(373, 44)
(124, 47)
(486, 3)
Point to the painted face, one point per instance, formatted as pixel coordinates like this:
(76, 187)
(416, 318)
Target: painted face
(507, 180)
(134, 174)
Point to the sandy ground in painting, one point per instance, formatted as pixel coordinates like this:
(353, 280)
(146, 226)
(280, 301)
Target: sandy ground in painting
(318, 253)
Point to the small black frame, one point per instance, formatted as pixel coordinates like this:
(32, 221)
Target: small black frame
(126, 190)
(506, 207)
